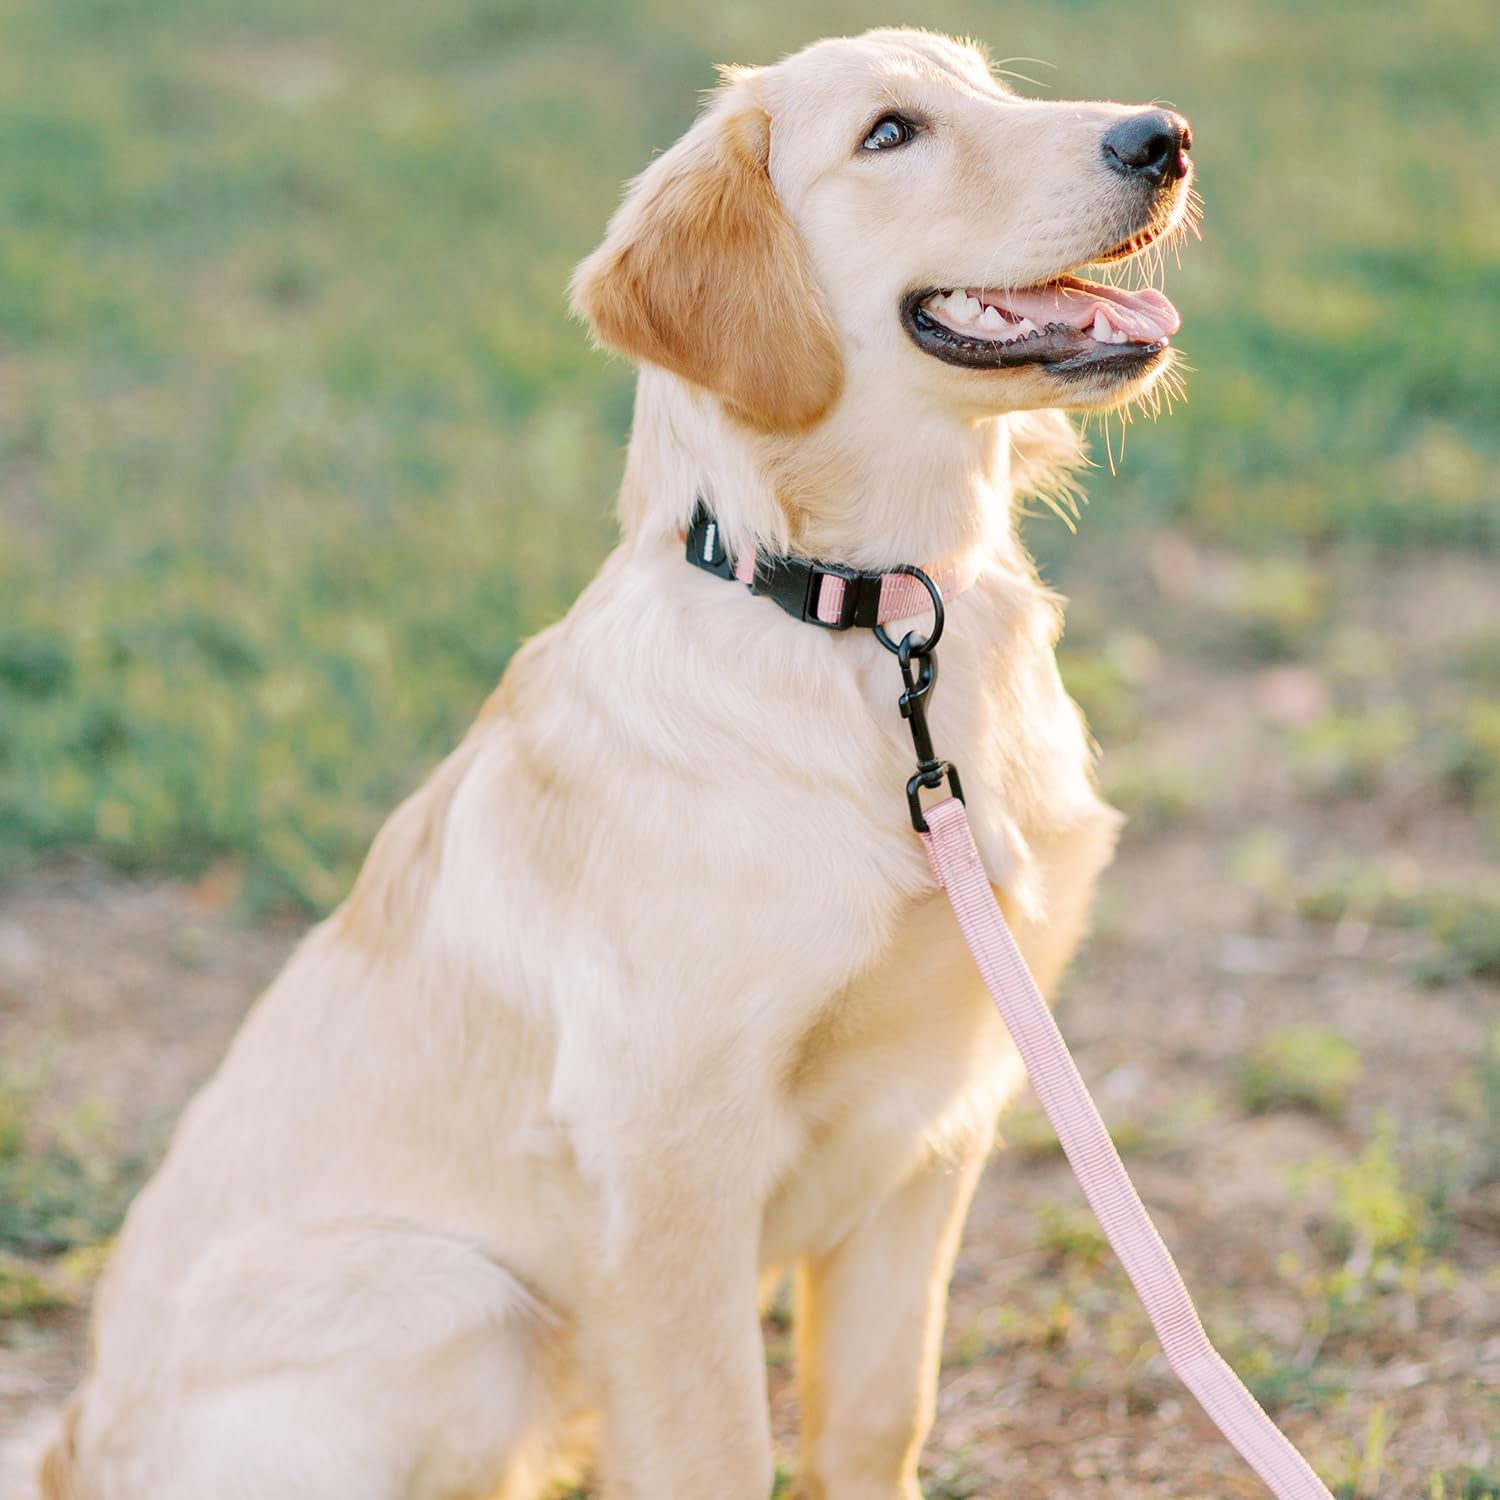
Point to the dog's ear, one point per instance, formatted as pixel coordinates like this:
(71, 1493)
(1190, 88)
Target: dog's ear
(702, 272)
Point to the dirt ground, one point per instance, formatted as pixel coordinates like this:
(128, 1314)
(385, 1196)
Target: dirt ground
(1387, 1373)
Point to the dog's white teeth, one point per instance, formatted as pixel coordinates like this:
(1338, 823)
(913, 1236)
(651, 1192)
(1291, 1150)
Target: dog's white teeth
(970, 309)
(991, 321)
(1025, 328)
(1101, 331)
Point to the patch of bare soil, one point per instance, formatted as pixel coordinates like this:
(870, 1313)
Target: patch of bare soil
(122, 997)
(1383, 1366)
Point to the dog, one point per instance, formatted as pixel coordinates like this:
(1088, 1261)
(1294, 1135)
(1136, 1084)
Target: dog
(646, 998)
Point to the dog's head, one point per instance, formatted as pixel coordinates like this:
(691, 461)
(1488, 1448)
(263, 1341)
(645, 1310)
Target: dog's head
(882, 209)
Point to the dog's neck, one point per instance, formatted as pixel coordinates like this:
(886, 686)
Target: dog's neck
(865, 488)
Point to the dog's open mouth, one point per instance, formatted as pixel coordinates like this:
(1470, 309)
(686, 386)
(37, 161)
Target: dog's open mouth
(1069, 325)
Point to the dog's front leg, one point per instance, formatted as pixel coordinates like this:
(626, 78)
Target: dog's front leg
(869, 1333)
(675, 1318)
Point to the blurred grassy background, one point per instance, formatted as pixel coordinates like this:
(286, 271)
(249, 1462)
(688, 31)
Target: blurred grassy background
(297, 439)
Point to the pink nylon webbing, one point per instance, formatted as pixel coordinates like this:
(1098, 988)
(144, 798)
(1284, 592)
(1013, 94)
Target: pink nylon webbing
(1097, 1165)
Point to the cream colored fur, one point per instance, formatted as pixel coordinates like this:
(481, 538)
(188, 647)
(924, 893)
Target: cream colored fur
(647, 997)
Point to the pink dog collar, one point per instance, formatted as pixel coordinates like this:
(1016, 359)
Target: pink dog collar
(818, 593)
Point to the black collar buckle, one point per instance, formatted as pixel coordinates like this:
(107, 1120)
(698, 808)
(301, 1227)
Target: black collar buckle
(797, 586)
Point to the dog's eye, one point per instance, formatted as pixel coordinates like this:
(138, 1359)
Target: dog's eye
(890, 130)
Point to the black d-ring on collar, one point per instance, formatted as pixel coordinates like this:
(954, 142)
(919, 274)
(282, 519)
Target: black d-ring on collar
(910, 645)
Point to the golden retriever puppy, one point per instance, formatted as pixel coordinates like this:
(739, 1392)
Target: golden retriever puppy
(647, 996)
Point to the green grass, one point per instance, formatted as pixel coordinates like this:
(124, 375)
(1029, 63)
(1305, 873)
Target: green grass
(1310, 1068)
(63, 1186)
(1466, 1484)
(1069, 1235)
(297, 440)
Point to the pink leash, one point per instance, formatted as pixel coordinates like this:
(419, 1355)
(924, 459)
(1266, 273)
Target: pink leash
(1097, 1165)
(841, 599)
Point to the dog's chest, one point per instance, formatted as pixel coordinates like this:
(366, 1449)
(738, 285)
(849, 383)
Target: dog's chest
(909, 1062)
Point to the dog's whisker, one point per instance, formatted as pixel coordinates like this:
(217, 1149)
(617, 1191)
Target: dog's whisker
(1020, 77)
(1001, 70)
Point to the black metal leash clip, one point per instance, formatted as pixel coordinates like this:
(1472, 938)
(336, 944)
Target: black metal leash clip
(917, 658)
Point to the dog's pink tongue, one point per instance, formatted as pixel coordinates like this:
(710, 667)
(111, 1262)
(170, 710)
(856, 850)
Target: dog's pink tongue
(1145, 316)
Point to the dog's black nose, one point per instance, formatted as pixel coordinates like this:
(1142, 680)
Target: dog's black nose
(1151, 144)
